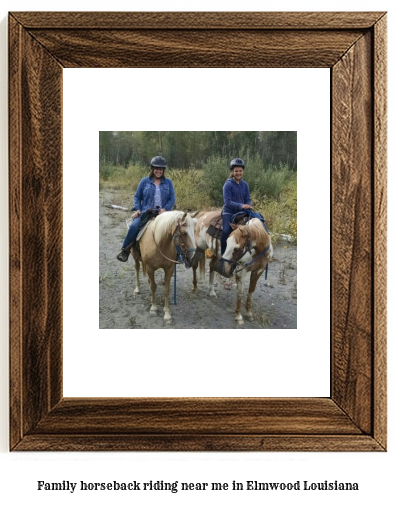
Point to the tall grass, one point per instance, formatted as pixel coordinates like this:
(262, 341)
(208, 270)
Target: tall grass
(189, 191)
(118, 177)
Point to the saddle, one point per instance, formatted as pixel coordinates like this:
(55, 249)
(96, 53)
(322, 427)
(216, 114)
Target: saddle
(215, 228)
(146, 218)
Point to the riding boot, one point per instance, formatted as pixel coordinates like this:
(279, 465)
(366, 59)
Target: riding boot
(124, 254)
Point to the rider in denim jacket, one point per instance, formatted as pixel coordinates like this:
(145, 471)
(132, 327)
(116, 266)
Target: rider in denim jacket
(154, 191)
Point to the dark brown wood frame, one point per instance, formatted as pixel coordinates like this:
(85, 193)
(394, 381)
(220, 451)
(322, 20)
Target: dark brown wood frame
(353, 46)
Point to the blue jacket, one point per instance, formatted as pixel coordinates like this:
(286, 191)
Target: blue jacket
(144, 195)
(235, 195)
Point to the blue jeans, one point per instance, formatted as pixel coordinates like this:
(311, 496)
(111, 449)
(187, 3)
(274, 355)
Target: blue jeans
(226, 230)
(132, 233)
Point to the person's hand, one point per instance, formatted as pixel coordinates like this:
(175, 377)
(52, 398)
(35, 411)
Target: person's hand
(247, 206)
(136, 214)
(162, 211)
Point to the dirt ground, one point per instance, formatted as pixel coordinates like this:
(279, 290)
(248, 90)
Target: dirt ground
(274, 301)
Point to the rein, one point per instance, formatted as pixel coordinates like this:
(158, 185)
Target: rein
(247, 248)
(165, 257)
(254, 260)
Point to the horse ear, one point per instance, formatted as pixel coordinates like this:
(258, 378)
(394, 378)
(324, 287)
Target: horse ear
(233, 226)
(184, 216)
(194, 214)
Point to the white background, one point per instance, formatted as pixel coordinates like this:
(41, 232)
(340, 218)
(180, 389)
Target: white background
(215, 362)
(19, 473)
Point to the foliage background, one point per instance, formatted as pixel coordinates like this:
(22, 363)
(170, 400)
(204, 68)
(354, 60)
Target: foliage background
(198, 164)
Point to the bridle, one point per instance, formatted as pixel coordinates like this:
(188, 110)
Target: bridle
(180, 248)
(240, 252)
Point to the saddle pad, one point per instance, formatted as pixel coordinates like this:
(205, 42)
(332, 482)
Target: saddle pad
(143, 229)
(215, 227)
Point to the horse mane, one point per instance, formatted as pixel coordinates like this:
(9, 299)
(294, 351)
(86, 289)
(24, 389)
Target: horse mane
(257, 231)
(166, 223)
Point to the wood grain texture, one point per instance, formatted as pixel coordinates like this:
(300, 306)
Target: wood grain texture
(36, 230)
(199, 443)
(196, 48)
(15, 228)
(380, 229)
(353, 45)
(203, 20)
(173, 416)
(351, 232)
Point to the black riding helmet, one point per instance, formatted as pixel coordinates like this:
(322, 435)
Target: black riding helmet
(158, 162)
(237, 162)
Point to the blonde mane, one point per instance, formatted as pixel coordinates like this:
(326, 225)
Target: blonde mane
(166, 223)
(257, 231)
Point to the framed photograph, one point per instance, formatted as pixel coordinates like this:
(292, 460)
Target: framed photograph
(353, 46)
(197, 170)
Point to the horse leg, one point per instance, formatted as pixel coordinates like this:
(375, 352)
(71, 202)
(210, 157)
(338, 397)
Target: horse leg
(153, 286)
(195, 279)
(137, 285)
(253, 281)
(167, 279)
(202, 267)
(240, 290)
(212, 272)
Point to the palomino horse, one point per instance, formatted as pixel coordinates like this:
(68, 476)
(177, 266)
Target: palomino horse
(170, 232)
(249, 249)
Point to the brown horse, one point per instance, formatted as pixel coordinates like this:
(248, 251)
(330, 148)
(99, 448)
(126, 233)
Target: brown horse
(249, 250)
(158, 249)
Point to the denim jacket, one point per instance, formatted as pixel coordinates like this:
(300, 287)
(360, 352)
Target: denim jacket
(235, 195)
(144, 195)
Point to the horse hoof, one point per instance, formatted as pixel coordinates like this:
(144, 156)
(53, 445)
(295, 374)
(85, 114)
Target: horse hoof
(250, 318)
(137, 291)
(168, 321)
(153, 311)
(213, 294)
(240, 322)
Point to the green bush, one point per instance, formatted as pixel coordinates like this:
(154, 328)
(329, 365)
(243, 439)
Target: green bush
(105, 171)
(215, 173)
(264, 181)
(267, 181)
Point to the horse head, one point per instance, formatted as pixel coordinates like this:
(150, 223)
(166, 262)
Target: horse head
(239, 244)
(184, 240)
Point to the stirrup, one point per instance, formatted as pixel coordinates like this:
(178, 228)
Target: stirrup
(123, 255)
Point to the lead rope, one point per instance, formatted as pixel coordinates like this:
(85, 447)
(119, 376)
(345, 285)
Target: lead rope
(178, 256)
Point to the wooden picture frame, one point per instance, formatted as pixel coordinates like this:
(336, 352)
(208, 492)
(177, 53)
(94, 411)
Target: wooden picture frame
(353, 46)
